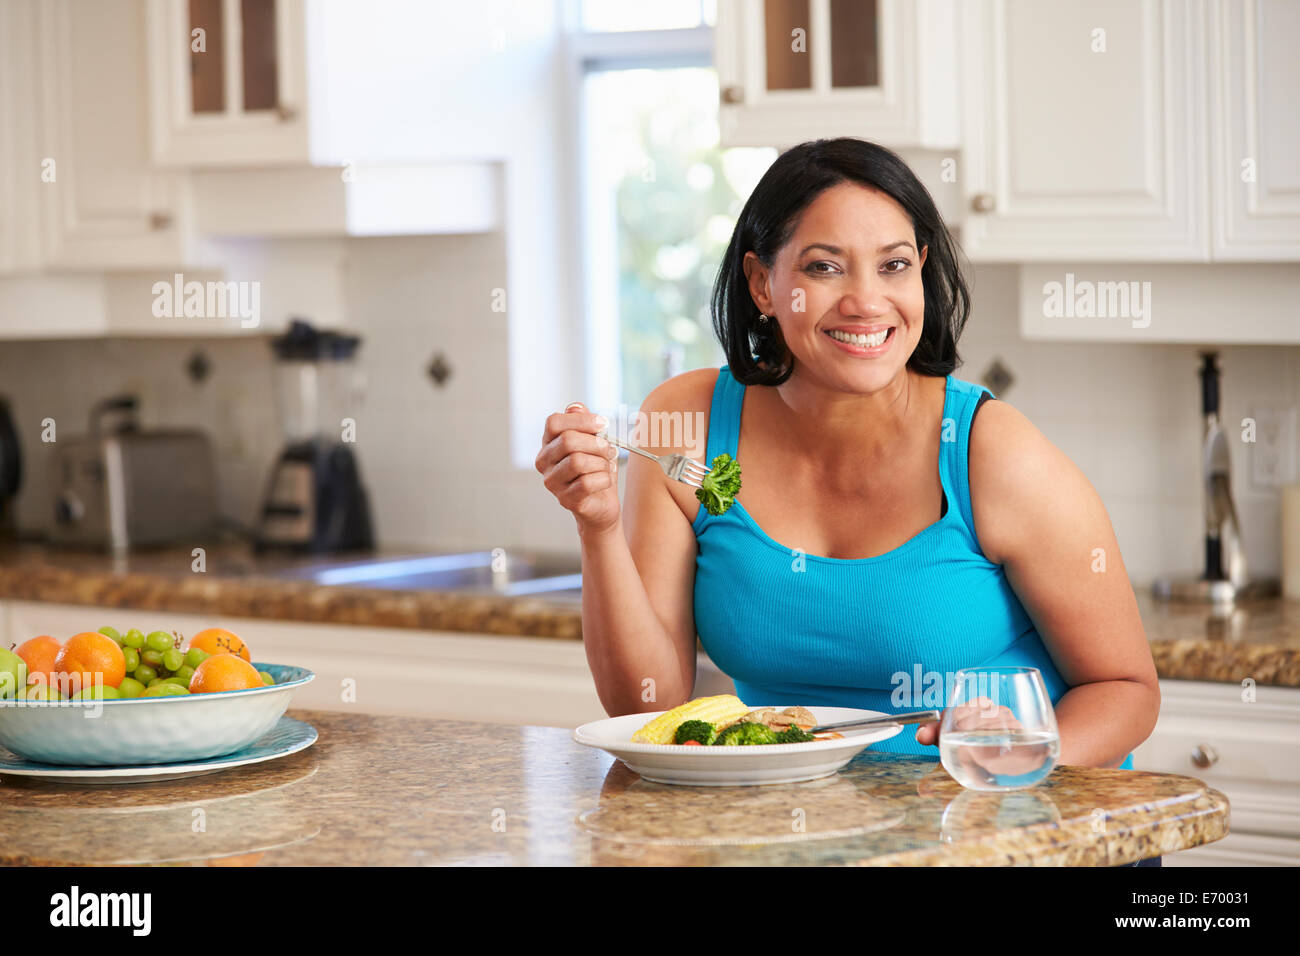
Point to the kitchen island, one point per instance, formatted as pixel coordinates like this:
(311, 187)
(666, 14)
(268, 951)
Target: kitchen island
(378, 791)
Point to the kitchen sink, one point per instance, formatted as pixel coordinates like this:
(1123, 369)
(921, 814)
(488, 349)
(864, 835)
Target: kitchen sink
(511, 573)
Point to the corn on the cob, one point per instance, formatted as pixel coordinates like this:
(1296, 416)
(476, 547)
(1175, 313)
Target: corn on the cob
(719, 711)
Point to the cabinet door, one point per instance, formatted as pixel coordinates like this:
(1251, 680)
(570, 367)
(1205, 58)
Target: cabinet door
(20, 164)
(103, 206)
(794, 70)
(1084, 130)
(1255, 175)
(227, 82)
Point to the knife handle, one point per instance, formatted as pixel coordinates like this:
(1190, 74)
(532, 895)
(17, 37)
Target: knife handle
(917, 717)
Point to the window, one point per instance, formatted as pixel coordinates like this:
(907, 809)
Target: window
(660, 196)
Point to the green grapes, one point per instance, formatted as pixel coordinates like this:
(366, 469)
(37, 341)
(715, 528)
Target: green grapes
(160, 641)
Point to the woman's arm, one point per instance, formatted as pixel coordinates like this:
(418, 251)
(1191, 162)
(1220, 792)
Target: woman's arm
(1038, 516)
(638, 577)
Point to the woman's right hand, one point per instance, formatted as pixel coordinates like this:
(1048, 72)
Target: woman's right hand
(580, 469)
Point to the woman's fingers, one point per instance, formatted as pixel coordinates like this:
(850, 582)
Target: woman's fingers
(578, 419)
(979, 713)
(561, 476)
(928, 734)
(574, 442)
(578, 468)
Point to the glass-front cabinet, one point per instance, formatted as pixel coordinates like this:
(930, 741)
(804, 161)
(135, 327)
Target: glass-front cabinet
(227, 82)
(791, 70)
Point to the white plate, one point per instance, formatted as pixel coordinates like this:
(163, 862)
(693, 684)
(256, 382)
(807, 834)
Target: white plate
(734, 766)
(288, 736)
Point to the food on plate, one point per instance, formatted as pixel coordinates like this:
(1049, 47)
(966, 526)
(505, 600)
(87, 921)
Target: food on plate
(746, 733)
(699, 732)
(721, 485)
(794, 734)
(725, 721)
(720, 710)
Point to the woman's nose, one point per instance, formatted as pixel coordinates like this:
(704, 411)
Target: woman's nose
(865, 301)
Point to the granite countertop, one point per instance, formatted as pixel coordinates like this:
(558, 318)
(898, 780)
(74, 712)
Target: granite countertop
(238, 583)
(1259, 640)
(383, 791)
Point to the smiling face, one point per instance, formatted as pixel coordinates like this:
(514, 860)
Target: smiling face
(846, 290)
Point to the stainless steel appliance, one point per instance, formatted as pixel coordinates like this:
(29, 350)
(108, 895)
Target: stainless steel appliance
(1225, 579)
(315, 501)
(126, 487)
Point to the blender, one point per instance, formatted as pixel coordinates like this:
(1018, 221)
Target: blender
(315, 500)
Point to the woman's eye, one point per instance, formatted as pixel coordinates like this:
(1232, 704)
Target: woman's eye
(814, 268)
(898, 265)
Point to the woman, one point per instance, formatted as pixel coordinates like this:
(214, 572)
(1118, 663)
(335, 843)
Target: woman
(884, 531)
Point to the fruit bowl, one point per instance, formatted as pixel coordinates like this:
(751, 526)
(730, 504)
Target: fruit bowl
(140, 730)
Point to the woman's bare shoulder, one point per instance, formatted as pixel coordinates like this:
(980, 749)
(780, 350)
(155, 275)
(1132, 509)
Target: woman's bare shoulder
(1019, 481)
(688, 392)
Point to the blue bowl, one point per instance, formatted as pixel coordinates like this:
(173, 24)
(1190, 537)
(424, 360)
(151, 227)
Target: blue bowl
(147, 730)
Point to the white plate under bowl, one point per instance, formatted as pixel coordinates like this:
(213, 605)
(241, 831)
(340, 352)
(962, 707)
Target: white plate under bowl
(734, 766)
(288, 736)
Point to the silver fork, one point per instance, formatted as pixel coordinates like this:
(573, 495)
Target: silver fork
(677, 467)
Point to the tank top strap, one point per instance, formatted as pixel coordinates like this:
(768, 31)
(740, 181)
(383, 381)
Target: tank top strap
(959, 411)
(724, 416)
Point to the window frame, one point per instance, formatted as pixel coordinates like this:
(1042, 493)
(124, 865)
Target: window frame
(585, 53)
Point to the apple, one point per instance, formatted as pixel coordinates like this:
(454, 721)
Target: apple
(13, 674)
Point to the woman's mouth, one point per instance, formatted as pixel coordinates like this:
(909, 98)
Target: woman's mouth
(863, 343)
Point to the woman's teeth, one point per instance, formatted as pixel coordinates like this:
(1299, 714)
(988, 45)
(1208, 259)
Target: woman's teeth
(866, 341)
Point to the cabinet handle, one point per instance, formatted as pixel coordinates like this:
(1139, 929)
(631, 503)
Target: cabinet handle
(160, 220)
(285, 114)
(733, 94)
(1205, 756)
(983, 202)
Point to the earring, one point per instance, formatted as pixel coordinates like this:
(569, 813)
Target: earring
(762, 317)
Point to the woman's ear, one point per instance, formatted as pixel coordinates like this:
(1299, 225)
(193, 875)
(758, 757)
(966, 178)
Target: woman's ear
(924, 252)
(756, 275)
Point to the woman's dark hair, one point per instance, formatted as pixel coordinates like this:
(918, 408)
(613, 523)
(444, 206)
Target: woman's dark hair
(768, 221)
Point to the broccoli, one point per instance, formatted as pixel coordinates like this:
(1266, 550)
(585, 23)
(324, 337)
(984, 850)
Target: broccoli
(720, 485)
(700, 731)
(794, 734)
(744, 734)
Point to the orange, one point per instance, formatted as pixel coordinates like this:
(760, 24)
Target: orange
(89, 653)
(39, 653)
(217, 640)
(224, 671)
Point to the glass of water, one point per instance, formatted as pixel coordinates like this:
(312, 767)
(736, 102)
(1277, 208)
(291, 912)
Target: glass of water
(999, 731)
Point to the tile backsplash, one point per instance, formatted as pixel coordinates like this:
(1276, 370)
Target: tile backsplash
(435, 457)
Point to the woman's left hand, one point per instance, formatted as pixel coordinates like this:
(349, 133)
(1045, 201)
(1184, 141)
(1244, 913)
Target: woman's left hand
(980, 713)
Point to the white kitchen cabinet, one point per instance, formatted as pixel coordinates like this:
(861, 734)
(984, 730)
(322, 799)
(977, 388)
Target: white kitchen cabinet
(1158, 302)
(1249, 750)
(794, 70)
(1255, 132)
(20, 165)
(1084, 132)
(102, 204)
(227, 82)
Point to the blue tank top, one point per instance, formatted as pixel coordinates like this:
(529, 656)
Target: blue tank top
(882, 633)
